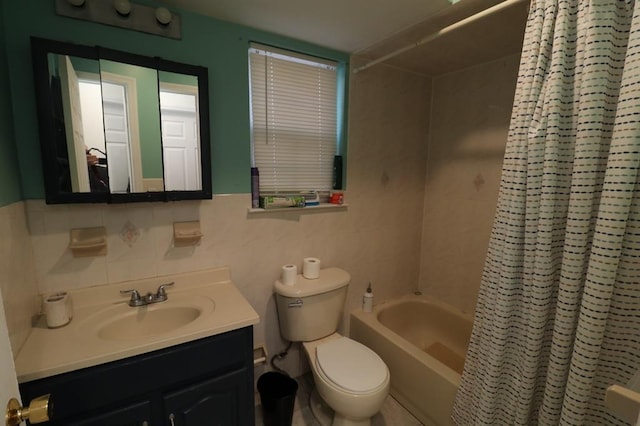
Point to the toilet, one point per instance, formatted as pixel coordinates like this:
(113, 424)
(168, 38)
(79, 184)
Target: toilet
(349, 377)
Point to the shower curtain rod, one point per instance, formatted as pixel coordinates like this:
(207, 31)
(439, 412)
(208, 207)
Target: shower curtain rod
(505, 4)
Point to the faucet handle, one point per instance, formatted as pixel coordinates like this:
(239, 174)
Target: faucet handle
(135, 297)
(161, 293)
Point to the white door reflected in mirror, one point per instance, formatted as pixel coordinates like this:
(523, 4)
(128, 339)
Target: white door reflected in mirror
(181, 153)
(72, 111)
(119, 145)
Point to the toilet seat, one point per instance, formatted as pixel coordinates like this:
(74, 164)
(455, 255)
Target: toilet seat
(351, 366)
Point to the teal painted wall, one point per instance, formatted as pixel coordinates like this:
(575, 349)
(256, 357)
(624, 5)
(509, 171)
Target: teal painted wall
(171, 77)
(148, 100)
(217, 45)
(9, 174)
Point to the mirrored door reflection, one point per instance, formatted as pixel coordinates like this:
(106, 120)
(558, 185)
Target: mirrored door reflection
(180, 131)
(75, 88)
(117, 137)
(131, 127)
(92, 125)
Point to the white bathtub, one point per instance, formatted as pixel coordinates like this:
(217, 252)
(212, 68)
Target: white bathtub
(423, 342)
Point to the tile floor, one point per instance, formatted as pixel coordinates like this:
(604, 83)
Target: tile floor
(392, 412)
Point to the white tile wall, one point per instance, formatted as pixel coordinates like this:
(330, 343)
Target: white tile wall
(470, 121)
(17, 274)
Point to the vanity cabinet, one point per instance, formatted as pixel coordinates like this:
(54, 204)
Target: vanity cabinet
(212, 402)
(204, 382)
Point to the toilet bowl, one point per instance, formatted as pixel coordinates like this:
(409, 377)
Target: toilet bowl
(350, 378)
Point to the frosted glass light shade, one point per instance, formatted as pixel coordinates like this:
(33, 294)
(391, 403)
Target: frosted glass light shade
(163, 15)
(123, 7)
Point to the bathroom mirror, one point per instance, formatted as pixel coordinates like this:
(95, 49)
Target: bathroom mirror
(118, 127)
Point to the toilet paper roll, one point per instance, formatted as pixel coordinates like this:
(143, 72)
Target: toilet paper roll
(289, 274)
(311, 268)
(58, 309)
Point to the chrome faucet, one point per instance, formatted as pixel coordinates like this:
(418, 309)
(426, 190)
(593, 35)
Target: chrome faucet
(137, 300)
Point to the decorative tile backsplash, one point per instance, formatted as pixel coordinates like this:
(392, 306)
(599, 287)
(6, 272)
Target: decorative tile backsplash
(129, 234)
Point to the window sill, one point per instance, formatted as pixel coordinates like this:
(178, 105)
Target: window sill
(307, 209)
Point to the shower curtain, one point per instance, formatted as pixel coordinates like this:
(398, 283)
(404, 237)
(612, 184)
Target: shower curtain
(558, 313)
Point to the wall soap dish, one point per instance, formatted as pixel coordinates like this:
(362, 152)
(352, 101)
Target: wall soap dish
(186, 233)
(88, 242)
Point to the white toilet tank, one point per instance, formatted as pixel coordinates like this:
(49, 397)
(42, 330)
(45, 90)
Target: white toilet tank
(311, 309)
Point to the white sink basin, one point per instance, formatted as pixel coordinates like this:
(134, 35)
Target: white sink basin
(123, 322)
(147, 321)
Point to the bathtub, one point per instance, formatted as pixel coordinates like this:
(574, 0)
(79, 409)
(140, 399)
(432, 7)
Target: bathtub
(423, 342)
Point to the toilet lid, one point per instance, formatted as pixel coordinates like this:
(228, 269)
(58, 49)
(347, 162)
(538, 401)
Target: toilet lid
(351, 365)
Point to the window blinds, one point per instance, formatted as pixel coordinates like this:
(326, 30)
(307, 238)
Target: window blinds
(294, 119)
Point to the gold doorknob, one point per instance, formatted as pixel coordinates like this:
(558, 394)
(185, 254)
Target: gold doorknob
(38, 411)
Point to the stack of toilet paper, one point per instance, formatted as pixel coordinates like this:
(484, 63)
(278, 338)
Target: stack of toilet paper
(310, 270)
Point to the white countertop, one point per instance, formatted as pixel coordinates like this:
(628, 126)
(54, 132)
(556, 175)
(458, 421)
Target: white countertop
(48, 352)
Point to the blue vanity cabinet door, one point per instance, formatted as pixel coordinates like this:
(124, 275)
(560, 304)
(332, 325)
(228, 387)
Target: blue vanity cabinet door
(214, 402)
(132, 415)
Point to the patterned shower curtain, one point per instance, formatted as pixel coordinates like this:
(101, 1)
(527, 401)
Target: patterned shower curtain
(558, 314)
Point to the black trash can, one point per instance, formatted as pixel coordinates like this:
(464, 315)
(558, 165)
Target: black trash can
(277, 396)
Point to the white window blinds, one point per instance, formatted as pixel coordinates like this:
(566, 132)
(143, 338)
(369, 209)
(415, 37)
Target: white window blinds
(294, 118)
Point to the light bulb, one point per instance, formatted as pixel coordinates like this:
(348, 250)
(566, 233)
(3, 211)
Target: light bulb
(123, 7)
(163, 15)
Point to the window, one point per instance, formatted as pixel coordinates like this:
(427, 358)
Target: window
(294, 117)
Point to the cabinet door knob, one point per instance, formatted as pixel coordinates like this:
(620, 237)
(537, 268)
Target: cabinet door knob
(171, 419)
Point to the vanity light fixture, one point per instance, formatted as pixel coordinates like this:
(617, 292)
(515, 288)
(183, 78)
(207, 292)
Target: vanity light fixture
(163, 15)
(123, 7)
(124, 14)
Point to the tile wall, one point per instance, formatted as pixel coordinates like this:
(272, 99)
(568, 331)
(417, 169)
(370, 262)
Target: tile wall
(377, 238)
(18, 277)
(470, 117)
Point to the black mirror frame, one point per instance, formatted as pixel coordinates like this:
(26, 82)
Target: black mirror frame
(40, 48)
